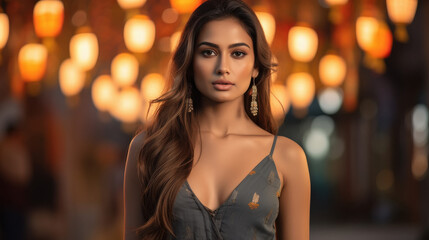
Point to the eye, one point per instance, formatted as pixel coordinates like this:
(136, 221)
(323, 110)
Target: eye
(208, 52)
(239, 54)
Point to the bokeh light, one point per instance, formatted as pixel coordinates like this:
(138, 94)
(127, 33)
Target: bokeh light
(139, 34)
(330, 100)
(32, 61)
(48, 17)
(4, 29)
(268, 25)
(104, 93)
(127, 106)
(302, 43)
(301, 89)
(130, 4)
(72, 78)
(316, 143)
(84, 50)
(124, 69)
(332, 70)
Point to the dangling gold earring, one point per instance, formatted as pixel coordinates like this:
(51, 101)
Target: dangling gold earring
(189, 104)
(254, 103)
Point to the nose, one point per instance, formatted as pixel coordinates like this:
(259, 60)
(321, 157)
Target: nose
(223, 67)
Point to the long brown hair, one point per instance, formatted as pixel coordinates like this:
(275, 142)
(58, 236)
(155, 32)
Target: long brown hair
(167, 153)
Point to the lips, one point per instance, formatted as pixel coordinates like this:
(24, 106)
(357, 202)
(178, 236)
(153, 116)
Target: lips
(222, 85)
(222, 81)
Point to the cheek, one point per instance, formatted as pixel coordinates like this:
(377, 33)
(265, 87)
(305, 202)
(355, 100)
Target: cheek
(201, 69)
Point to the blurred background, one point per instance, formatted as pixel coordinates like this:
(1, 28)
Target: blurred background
(351, 88)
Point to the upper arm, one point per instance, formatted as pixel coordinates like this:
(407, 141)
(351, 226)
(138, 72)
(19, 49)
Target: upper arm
(293, 221)
(132, 190)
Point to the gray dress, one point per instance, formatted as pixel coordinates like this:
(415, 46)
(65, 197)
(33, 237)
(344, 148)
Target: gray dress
(249, 212)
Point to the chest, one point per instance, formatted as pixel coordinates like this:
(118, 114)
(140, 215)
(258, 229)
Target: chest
(219, 168)
(250, 209)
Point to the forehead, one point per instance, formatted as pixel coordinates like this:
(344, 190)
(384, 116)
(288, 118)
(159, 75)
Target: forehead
(224, 32)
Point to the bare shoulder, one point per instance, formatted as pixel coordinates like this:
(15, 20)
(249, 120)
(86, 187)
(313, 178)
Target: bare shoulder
(289, 151)
(132, 188)
(135, 147)
(290, 159)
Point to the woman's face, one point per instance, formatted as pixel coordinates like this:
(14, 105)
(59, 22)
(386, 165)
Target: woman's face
(223, 60)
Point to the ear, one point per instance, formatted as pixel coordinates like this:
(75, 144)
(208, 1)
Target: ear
(255, 72)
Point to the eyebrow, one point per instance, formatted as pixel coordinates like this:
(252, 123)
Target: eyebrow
(217, 46)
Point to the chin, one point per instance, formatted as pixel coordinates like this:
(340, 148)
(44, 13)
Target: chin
(222, 99)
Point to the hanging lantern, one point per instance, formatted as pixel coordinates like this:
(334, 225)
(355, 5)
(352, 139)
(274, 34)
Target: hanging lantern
(84, 50)
(279, 101)
(301, 89)
(185, 6)
(268, 25)
(125, 68)
(72, 78)
(366, 29)
(336, 2)
(127, 106)
(139, 34)
(48, 17)
(32, 60)
(152, 86)
(401, 12)
(4, 29)
(302, 43)
(104, 93)
(130, 4)
(332, 70)
(382, 42)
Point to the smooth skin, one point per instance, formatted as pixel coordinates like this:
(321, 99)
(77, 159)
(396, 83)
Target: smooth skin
(231, 144)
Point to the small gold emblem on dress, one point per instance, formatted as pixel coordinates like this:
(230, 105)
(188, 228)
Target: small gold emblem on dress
(254, 203)
(252, 172)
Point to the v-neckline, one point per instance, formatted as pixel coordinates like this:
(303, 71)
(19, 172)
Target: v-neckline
(230, 195)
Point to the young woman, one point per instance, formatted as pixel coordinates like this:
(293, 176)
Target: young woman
(211, 166)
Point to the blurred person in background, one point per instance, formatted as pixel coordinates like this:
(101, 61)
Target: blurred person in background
(211, 165)
(15, 175)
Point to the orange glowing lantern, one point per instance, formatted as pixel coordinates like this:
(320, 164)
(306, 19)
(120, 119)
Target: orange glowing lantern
(125, 68)
(4, 29)
(139, 34)
(32, 60)
(152, 86)
(382, 44)
(130, 4)
(301, 89)
(366, 29)
(268, 24)
(336, 2)
(84, 50)
(72, 78)
(48, 17)
(127, 106)
(185, 6)
(279, 101)
(302, 43)
(104, 92)
(401, 12)
(332, 70)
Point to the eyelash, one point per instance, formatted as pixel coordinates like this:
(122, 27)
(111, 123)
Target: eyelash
(242, 54)
(236, 54)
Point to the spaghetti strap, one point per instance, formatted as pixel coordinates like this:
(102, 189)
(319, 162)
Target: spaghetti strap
(274, 144)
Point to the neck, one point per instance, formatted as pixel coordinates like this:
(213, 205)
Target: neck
(222, 119)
